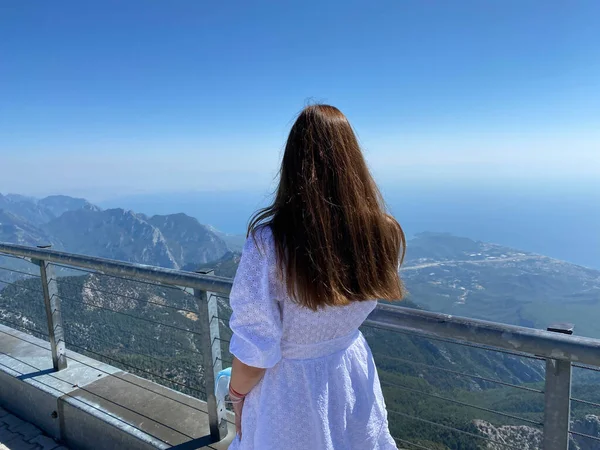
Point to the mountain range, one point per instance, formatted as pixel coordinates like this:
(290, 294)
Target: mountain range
(77, 226)
(442, 272)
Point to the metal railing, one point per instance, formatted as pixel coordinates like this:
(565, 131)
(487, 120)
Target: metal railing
(549, 356)
(204, 288)
(554, 352)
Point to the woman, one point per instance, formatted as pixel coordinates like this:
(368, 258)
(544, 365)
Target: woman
(303, 376)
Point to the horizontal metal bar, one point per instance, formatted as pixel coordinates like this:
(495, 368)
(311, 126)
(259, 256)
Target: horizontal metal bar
(116, 277)
(462, 374)
(177, 351)
(126, 350)
(510, 337)
(31, 330)
(463, 343)
(456, 430)
(458, 402)
(61, 280)
(585, 402)
(19, 271)
(7, 255)
(584, 367)
(410, 443)
(154, 322)
(118, 268)
(586, 436)
(20, 285)
(132, 367)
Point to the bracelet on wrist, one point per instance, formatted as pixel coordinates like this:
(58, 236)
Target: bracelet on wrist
(235, 394)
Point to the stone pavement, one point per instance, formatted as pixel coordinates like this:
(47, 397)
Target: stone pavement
(16, 434)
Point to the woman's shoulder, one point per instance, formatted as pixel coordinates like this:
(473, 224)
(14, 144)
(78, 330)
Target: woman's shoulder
(260, 240)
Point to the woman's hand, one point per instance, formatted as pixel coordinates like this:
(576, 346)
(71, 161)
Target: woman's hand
(243, 380)
(237, 409)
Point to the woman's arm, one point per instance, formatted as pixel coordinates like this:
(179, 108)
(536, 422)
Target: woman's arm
(255, 322)
(243, 380)
(244, 377)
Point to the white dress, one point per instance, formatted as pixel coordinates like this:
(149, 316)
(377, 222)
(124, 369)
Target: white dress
(321, 390)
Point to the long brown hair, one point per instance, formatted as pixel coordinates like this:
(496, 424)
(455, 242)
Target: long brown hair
(334, 241)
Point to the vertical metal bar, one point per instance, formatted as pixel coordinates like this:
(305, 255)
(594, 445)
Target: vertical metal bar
(211, 351)
(53, 314)
(557, 407)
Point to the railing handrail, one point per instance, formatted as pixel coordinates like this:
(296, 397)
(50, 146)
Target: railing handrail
(531, 341)
(485, 333)
(172, 277)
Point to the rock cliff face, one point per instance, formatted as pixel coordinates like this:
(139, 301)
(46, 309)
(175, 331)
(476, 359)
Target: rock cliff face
(188, 239)
(17, 230)
(114, 233)
(530, 438)
(519, 436)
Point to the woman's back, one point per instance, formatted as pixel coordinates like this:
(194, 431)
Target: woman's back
(304, 326)
(303, 375)
(320, 390)
(301, 325)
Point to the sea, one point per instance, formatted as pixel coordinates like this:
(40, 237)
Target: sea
(560, 220)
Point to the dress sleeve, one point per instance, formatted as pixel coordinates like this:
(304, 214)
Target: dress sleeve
(256, 318)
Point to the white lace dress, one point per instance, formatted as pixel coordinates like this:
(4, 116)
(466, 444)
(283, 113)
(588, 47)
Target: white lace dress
(321, 390)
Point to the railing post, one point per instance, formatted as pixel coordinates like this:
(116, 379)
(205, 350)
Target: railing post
(211, 351)
(56, 331)
(557, 408)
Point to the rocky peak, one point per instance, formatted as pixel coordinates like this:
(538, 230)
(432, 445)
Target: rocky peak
(188, 239)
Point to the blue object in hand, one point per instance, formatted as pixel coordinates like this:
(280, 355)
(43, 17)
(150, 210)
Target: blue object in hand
(222, 384)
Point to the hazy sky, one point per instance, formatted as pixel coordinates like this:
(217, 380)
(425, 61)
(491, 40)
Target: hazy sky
(106, 98)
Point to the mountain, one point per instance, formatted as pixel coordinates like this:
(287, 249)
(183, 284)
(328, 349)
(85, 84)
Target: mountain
(16, 198)
(57, 205)
(166, 241)
(235, 242)
(38, 212)
(77, 226)
(17, 230)
(113, 233)
(188, 240)
(226, 266)
(25, 208)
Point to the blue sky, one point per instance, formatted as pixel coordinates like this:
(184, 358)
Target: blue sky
(105, 98)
